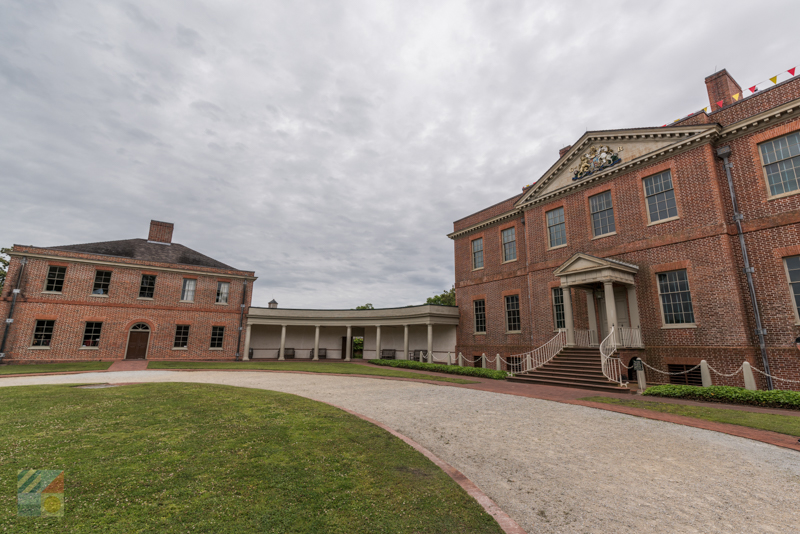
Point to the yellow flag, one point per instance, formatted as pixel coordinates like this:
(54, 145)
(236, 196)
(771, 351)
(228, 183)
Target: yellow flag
(736, 97)
(774, 79)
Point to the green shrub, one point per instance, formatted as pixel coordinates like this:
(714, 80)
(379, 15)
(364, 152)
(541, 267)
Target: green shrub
(776, 398)
(438, 368)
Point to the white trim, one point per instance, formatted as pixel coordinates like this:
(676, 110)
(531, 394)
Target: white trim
(677, 326)
(39, 348)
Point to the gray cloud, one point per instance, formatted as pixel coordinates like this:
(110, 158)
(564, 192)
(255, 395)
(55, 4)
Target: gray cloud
(329, 145)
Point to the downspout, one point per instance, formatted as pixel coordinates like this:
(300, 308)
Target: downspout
(723, 153)
(10, 319)
(241, 320)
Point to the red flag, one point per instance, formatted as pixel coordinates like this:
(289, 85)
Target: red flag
(719, 104)
(753, 89)
(791, 71)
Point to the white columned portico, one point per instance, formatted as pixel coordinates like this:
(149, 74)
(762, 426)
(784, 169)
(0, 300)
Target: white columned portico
(246, 354)
(633, 306)
(592, 315)
(430, 343)
(349, 348)
(405, 341)
(378, 341)
(611, 304)
(283, 342)
(316, 342)
(568, 322)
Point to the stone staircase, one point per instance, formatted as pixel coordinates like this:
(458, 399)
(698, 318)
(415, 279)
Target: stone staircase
(573, 367)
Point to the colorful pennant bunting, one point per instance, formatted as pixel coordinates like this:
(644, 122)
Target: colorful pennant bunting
(774, 79)
(736, 97)
(791, 71)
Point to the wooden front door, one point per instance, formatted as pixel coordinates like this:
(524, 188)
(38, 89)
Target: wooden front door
(137, 345)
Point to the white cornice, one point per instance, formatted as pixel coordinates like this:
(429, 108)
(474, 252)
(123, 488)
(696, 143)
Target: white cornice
(761, 120)
(483, 224)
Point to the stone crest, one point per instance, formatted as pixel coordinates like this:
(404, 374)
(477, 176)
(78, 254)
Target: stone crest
(595, 159)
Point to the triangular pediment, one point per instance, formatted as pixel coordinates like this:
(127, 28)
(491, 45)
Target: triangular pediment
(597, 154)
(582, 263)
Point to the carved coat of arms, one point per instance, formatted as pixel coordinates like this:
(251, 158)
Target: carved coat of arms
(597, 158)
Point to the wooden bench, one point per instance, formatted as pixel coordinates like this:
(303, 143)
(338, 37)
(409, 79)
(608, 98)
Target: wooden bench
(288, 354)
(323, 354)
(388, 354)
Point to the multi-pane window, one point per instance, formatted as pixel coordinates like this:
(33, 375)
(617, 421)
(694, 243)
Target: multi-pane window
(558, 308)
(660, 197)
(782, 163)
(793, 269)
(602, 214)
(217, 333)
(223, 289)
(477, 253)
(43, 333)
(556, 228)
(148, 286)
(509, 244)
(91, 334)
(181, 336)
(512, 313)
(676, 301)
(102, 279)
(480, 315)
(189, 285)
(55, 278)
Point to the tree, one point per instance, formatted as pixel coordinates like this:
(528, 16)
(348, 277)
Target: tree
(3, 266)
(366, 306)
(448, 298)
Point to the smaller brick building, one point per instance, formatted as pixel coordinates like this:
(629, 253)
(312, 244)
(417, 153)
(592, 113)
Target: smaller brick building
(135, 298)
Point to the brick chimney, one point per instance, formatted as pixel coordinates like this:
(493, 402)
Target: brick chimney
(160, 232)
(721, 86)
(563, 151)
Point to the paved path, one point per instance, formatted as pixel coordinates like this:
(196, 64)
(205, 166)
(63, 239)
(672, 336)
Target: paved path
(556, 467)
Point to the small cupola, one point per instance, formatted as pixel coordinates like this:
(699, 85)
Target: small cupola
(273, 304)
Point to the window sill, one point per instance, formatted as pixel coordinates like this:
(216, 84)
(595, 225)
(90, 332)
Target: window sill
(604, 235)
(479, 333)
(52, 293)
(513, 331)
(221, 303)
(558, 247)
(187, 301)
(478, 269)
(180, 348)
(215, 348)
(98, 295)
(509, 261)
(678, 326)
(784, 195)
(39, 348)
(669, 219)
(145, 298)
(84, 347)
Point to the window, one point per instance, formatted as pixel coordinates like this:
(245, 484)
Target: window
(676, 301)
(148, 286)
(102, 279)
(692, 378)
(514, 364)
(509, 244)
(480, 315)
(188, 289)
(512, 313)
(223, 288)
(477, 253)
(181, 336)
(43, 333)
(91, 334)
(793, 270)
(217, 333)
(556, 228)
(558, 308)
(55, 278)
(782, 163)
(660, 197)
(602, 214)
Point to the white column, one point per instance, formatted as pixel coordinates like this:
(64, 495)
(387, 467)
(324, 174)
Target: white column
(633, 306)
(430, 343)
(611, 305)
(568, 315)
(246, 354)
(349, 348)
(378, 341)
(316, 342)
(592, 315)
(405, 341)
(283, 341)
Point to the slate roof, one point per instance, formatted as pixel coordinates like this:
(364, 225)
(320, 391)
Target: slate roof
(141, 249)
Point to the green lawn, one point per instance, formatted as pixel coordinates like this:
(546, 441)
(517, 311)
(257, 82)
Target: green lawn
(785, 424)
(207, 458)
(313, 367)
(53, 367)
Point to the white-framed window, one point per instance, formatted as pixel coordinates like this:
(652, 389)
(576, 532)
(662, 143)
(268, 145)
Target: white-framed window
(477, 253)
(181, 336)
(147, 287)
(781, 159)
(187, 293)
(223, 289)
(509, 244)
(91, 334)
(556, 227)
(792, 265)
(480, 315)
(55, 278)
(512, 313)
(558, 308)
(217, 334)
(602, 212)
(43, 333)
(676, 299)
(102, 279)
(660, 196)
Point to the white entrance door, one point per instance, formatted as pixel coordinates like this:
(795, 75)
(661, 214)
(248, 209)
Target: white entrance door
(621, 300)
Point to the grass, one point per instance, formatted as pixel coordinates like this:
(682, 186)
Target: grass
(440, 368)
(207, 458)
(784, 424)
(53, 367)
(313, 367)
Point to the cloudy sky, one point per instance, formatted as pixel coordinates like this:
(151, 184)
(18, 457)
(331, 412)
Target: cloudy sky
(330, 145)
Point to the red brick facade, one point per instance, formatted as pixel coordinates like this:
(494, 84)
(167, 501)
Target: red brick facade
(702, 240)
(121, 308)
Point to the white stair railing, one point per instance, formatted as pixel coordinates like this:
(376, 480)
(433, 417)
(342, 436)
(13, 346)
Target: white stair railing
(585, 338)
(612, 366)
(542, 355)
(630, 337)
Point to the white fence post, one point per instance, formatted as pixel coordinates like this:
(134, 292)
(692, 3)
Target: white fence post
(459, 360)
(640, 376)
(705, 374)
(448, 357)
(483, 360)
(497, 362)
(749, 379)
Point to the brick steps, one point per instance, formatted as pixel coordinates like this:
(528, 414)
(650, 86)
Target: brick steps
(574, 368)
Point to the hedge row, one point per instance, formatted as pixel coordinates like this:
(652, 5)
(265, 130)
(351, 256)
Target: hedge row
(776, 398)
(438, 368)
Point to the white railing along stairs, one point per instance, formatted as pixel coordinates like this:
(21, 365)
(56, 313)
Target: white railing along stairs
(538, 357)
(612, 366)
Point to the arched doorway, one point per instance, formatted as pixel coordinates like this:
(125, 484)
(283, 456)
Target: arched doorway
(138, 338)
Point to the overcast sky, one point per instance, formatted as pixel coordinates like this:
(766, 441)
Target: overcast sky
(329, 146)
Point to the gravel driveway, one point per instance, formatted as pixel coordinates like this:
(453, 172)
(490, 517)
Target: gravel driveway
(556, 467)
